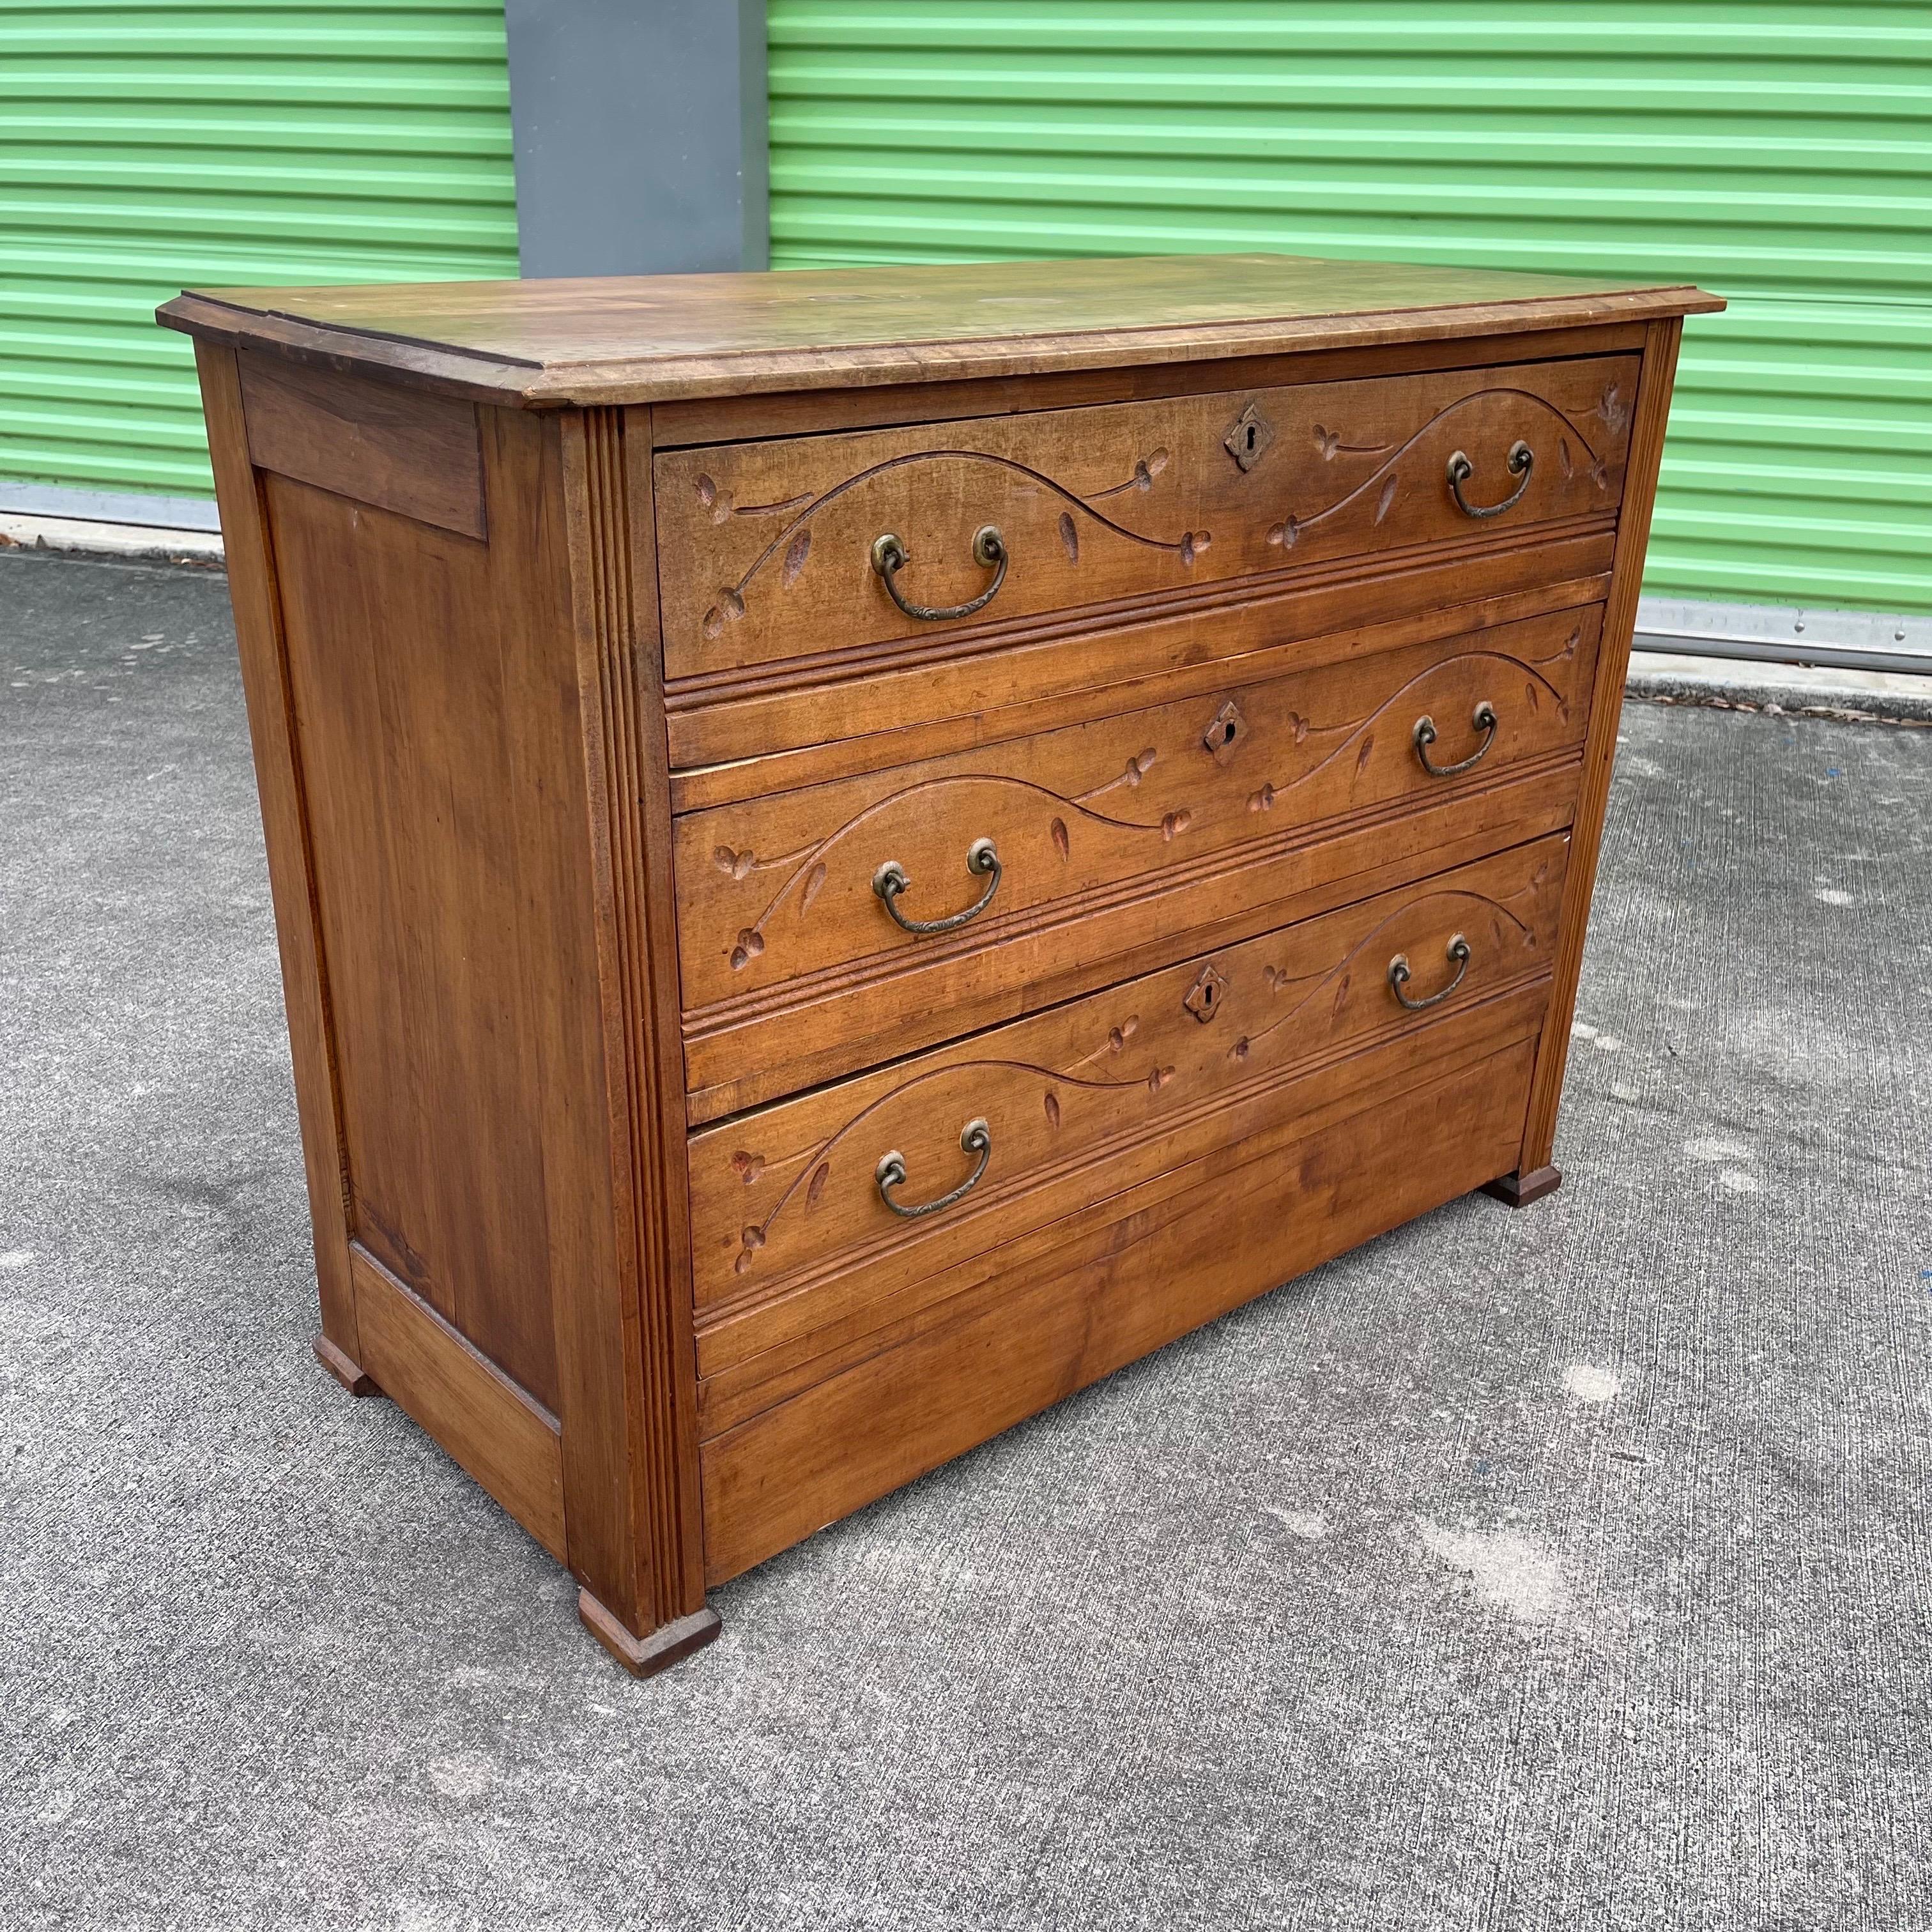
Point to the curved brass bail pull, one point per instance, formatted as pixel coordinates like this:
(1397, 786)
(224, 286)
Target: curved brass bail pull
(1521, 460)
(975, 1137)
(1484, 719)
(890, 880)
(1399, 976)
(889, 556)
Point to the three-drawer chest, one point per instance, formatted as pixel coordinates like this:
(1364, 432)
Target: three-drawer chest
(853, 851)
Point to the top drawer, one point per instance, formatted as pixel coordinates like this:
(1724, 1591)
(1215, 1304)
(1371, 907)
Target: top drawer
(766, 551)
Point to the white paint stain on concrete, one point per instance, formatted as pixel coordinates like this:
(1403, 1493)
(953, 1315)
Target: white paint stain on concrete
(15, 1257)
(1582, 1029)
(1832, 895)
(1607, 1043)
(1505, 1568)
(1309, 1525)
(464, 1776)
(1737, 1182)
(1588, 1383)
(1714, 1148)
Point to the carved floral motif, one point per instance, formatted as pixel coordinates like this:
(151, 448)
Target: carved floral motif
(1100, 1068)
(810, 864)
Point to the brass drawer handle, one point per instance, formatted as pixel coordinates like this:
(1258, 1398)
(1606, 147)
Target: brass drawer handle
(976, 1138)
(889, 556)
(1398, 975)
(890, 880)
(1484, 719)
(1521, 459)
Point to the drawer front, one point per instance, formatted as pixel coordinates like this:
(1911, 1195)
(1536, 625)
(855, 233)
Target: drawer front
(988, 1138)
(1050, 1313)
(766, 551)
(778, 898)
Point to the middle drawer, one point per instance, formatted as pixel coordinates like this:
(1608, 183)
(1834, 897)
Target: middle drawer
(825, 928)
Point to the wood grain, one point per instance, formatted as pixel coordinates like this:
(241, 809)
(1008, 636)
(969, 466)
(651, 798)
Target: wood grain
(1028, 1338)
(765, 548)
(637, 339)
(504, 1438)
(781, 888)
(420, 456)
(1117, 839)
(756, 1355)
(583, 725)
(1653, 406)
(1091, 1096)
(255, 593)
(1093, 674)
(637, 1445)
(759, 416)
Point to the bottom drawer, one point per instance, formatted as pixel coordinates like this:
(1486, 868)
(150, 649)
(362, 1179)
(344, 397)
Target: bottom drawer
(1048, 1315)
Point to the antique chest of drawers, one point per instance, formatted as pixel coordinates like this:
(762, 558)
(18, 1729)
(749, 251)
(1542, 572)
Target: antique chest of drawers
(854, 850)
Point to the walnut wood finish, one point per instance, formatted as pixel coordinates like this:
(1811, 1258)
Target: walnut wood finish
(1035, 1330)
(600, 1029)
(866, 710)
(759, 416)
(1539, 1138)
(506, 1440)
(1147, 810)
(659, 338)
(766, 547)
(1525, 1190)
(1082, 1099)
(419, 456)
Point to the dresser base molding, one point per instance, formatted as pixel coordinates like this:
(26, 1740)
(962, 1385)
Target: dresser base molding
(356, 1379)
(646, 1656)
(643, 1134)
(1524, 1190)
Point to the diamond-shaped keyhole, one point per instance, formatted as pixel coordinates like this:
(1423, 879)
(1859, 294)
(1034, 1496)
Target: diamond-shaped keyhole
(1225, 729)
(1205, 997)
(1248, 440)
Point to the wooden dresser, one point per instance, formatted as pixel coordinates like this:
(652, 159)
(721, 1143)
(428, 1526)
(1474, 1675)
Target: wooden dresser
(854, 850)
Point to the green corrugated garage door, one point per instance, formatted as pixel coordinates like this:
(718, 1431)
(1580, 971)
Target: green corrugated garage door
(1779, 154)
(148, 145)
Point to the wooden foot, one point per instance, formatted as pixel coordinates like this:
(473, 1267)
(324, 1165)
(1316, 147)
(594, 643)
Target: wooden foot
(1520, 1190)
(352, 1375)
(646, 1656)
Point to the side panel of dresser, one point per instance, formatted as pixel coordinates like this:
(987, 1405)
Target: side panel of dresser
(1534, 1174)
(436, 636)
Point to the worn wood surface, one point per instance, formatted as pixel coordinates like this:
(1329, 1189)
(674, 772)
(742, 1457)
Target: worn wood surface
(825, 720)
(1249, 1220)
(1653, 406)
(759, 416)
(424, 705)
(1088, 1097)
(551, 343)
(255, 593)
(1117, 839)
(581, 739)
(755, 1355)
(745, 1056)
(766, 548)
(625, 1326)
(493, 1428)
(781, 888)
(420, 456)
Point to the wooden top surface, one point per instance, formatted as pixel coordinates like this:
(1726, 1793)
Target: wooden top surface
(647, 338)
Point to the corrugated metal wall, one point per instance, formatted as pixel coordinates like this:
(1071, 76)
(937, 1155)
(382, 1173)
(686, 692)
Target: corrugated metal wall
(1778, 153)
(157, 143)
